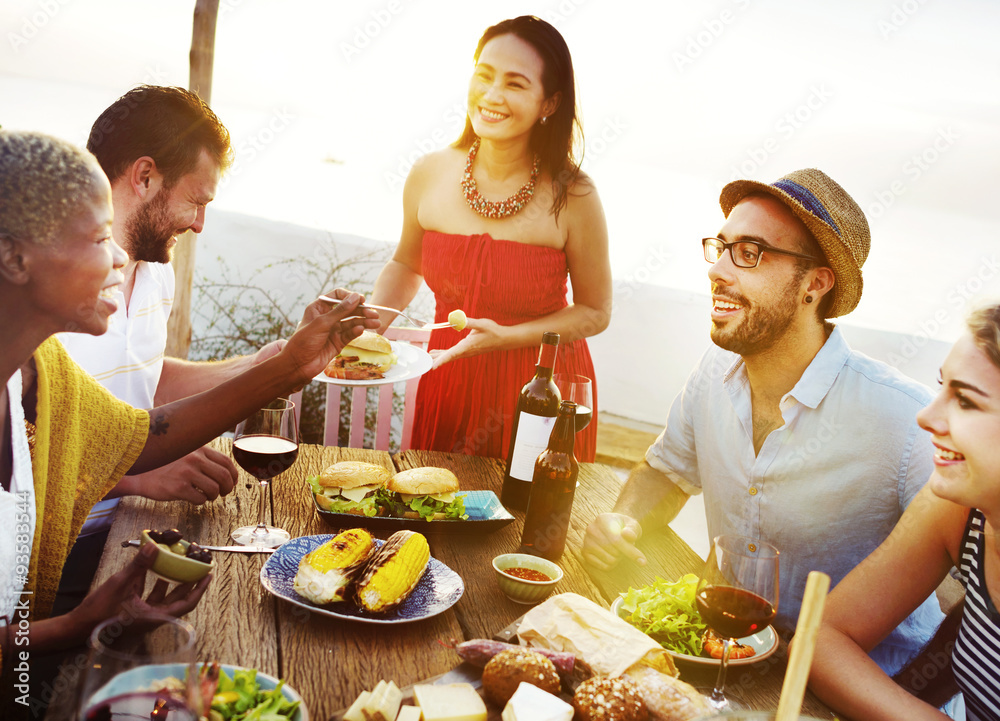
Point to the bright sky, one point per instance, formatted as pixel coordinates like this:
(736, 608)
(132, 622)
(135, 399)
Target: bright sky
(329, 103)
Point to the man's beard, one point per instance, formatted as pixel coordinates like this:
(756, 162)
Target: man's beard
(760, 327)
(148, 232)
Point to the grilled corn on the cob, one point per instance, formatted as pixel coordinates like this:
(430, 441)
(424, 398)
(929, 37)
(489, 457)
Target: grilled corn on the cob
(393, 572)
(327, 573)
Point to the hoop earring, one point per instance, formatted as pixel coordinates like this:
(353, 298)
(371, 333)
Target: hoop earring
(809, 299)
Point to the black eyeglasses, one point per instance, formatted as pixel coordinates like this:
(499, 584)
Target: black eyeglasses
(745, 253)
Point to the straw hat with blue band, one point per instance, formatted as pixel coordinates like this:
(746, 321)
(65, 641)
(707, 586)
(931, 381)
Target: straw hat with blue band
(831, 215)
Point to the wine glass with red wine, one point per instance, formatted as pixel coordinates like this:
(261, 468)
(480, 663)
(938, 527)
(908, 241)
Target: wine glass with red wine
(141, 667)
(580, 390)
(737, 596)
(266, 445)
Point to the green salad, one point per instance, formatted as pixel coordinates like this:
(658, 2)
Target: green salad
(233, 698)
(240, 698)
(666, 613)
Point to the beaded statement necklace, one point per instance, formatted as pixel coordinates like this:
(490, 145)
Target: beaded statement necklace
(496, 209)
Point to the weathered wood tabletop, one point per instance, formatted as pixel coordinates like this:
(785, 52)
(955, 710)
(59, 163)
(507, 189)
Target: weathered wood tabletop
(329, 660)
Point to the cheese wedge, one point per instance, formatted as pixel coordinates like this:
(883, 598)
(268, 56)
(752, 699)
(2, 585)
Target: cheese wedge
(449, 702)
(409, 713)
(354, 713)
(530, 703)
(367, 709)
(384, 702)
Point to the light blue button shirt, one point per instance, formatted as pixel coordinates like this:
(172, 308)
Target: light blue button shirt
(827, 487)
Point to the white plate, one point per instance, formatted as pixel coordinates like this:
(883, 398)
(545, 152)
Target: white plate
(411, 362)
(438, 590)
(142, 677)
(764, 643)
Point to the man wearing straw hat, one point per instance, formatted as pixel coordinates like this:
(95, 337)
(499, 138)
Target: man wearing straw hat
(794, 438)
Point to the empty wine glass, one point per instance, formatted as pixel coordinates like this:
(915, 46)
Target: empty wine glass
(266, 445)
(737, 595)
(141, 667)
(580, 390)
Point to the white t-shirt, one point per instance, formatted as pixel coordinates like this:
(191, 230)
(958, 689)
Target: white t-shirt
(128, 358)
(17, 508)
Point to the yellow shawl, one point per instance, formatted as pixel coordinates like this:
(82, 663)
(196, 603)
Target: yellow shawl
(86, 440)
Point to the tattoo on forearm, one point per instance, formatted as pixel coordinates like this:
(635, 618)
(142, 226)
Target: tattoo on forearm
(159, 426)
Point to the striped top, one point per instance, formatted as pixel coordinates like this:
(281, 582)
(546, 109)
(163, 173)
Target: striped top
(976, 658)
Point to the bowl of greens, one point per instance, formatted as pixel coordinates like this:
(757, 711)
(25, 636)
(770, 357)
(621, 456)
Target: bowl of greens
(238, 694)
(666, 612)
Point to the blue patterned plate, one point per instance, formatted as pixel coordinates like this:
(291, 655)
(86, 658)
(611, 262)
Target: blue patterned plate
(438, 590)
(483, 508)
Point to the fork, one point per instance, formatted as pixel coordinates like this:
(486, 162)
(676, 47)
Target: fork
(422, 324)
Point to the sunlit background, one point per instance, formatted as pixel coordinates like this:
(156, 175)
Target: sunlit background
(330, 102)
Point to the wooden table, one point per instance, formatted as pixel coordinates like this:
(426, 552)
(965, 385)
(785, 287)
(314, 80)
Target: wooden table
(330, 661)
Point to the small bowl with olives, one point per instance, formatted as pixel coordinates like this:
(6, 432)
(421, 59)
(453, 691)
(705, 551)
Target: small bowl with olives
(178, 560)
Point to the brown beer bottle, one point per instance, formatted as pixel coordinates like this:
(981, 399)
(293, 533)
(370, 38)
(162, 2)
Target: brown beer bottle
(537, 406)
(552, 489)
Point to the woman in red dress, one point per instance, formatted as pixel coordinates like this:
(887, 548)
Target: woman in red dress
(495, 224)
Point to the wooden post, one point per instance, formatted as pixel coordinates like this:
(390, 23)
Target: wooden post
(206, 13)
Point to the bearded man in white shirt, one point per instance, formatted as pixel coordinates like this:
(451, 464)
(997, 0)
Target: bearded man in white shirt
(164, 151)
(794, 438)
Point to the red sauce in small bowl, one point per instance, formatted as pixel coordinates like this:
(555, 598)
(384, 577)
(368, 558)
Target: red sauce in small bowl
(528, 574)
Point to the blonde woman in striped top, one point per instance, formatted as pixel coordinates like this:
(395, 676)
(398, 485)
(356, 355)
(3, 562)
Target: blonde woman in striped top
(951, 524)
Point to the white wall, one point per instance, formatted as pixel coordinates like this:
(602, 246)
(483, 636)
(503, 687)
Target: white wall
(656, 335)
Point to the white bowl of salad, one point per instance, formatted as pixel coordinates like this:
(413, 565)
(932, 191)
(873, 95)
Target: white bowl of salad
(666, 612)
(240, 691)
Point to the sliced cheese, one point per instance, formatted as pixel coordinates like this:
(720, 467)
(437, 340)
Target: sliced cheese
(443, 497)
(368, 709)
(354, 713)
(384, 703)
(369, 356)
(530, 703)
(409, 713)
(356, 494)
(449, 702)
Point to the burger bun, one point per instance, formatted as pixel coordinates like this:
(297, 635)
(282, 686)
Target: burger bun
(367, 357)
(352, 474)
(424, 481)
(372, 341)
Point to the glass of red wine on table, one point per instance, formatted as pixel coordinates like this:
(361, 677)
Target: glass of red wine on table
(737, 596)
(142, 667)
(580, 390)
(265, 445)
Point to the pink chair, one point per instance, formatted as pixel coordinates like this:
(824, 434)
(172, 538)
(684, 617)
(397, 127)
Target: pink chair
(359, 398)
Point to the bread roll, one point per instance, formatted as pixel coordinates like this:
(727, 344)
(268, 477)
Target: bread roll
(352, 474)
(505, 671)
(427, 480)
(370, 340)
(367, 357)
(667, 698)
(323, 502)
(603, 698)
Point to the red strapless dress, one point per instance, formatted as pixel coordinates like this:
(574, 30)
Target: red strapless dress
(467, 405)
